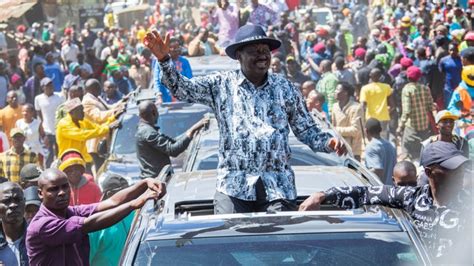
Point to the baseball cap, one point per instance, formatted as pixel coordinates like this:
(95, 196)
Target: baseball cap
(45, 81)
(405, 22)
(467, 52)
(290, 58)
(445, 114)
(31, 196)
(73, 157)
(15, 131)
(15, 77)
(443, 153)
(469, 36)
(406, 62)
(114, 182)
(360, 52)
(30, 173)
(414, 73)
(319, 48)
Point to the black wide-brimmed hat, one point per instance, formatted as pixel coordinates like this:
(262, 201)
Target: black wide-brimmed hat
(250, 34)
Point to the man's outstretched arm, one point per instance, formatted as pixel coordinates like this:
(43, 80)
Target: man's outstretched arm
(132, 193)
(107, 218)
(354, 197)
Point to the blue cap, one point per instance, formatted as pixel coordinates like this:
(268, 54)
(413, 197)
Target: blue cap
(443, 153)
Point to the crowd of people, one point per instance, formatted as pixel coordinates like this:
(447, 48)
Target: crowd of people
(395, 80)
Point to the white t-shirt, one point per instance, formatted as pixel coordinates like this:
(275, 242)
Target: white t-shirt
(47, 106)
(32, 133)
(69, 52)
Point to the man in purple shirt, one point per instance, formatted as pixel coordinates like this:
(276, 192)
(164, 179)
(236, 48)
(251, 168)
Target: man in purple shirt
(57, 235)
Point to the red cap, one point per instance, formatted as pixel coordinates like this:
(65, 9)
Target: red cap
(67, 31)
(21, 28)
(71, 155)
(319, 48)
(15, 77)
(406, 62)
(469, 36)
(414, 73)
(360, 52)
(322, 32)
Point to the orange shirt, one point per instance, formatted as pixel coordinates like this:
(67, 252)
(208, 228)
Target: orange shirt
(467, 103)
(8, 118)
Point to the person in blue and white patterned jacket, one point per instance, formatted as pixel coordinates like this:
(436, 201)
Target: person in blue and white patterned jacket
(255, 111)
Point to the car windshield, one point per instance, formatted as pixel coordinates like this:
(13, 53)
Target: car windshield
(172, 124)
(371, 248)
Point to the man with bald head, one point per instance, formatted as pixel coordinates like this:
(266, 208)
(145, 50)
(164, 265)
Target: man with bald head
(153, 147)
(58, 234)
(13, 225)
(404, 174)
(99, 112)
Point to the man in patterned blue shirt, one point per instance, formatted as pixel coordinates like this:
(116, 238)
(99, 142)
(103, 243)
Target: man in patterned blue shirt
(440, 210)
(254, 110)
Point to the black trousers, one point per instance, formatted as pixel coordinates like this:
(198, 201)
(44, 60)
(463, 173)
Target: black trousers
(224, 204)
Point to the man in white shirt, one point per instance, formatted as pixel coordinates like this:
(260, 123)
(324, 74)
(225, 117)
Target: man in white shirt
(46, 105)
(69, 51)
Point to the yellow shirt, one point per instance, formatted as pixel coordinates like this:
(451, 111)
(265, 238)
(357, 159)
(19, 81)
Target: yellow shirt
(69, 136)
(376, 94)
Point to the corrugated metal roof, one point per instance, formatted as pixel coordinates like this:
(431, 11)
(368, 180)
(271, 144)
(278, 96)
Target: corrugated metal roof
(14, 8)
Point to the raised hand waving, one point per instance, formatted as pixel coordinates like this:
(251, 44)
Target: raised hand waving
(157, 46)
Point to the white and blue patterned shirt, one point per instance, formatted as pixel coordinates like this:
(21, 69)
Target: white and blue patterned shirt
(446, 230)
(254, 123)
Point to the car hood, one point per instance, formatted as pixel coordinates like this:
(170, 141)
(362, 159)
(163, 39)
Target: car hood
(374, 218)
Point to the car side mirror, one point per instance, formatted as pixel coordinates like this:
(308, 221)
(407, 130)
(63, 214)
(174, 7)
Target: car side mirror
(102, 148)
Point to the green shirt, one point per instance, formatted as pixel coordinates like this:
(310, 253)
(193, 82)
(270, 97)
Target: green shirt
(327, 86)
(106, 245)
